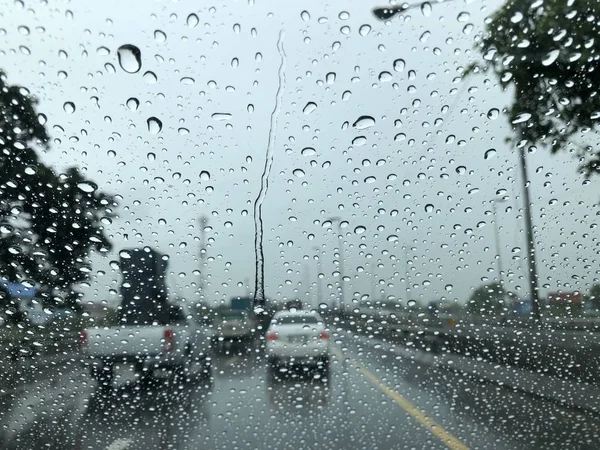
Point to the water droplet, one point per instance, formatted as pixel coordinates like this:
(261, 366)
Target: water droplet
(426, 9)
(133, 103)
(235, 62)
(493, 113)
(428, 207)
(25, 50)
(523, 117)
(87, 187)
(516, 250)
(298, 173)
(550, 57)
(345, 30)
(69, 107)
(399, 65)
(385, 77)
(425, 36)
(364, 122)
(151, 156)
(187, 80)
(463, 16)
(237, 28)
(160, 36)
(392, 238)
(330, 78)
(130, 58)
(308, 151)
(448, 287)
(359, 141)
(42, 119)
(125, 254)
(150, 77)
(461, 170)
(154, 125)
(192, 20)
(183, 131)
(346, 95)
(399, 137)
(305, 16)
(309, 108)
(103, 51)
(322, 305)
(516, 17)
(364, 30)
(23, 30)
(30, 170)
(336, 45)
(489, 153)
(360, 229)
(221, 116)
(204, 175)
(370, 180)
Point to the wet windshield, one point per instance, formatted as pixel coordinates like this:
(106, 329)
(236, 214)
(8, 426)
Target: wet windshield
(417, 183)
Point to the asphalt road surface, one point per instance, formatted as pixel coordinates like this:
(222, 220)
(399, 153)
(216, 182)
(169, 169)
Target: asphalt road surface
(373, 399)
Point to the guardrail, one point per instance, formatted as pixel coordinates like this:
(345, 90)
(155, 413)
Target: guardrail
(557, 347)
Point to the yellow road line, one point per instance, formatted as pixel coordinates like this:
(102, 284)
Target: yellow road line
(449, 440)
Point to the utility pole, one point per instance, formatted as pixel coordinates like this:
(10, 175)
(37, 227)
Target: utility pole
(203, 221)
(319, 272)
(497, 239)
(341, 258)
(531, 263)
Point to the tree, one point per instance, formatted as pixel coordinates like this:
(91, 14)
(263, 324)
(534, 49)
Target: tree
(549, 52)
(49, 222)
(487, 300)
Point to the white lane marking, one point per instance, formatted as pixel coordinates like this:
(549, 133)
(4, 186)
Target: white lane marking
(120, 444)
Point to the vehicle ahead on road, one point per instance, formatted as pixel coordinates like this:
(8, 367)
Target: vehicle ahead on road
(234, 326)
(172, 342)
(298, 338)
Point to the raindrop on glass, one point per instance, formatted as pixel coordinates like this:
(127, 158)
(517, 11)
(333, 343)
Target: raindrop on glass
(364, 122)
(309, 108)
(69, 107)
(133, 103)
(130, 58)
(154, 125)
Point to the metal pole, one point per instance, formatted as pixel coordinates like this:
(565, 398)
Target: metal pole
(406, 276)
(372, 281)
(341, 238)
(497, 239)
(319, 272)
(531, 264)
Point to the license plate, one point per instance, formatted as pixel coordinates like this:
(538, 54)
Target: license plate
(299, 339)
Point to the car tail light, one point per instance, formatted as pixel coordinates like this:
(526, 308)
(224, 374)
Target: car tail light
(271, 336)
(168, 340)
(324, 335)
(83, 338)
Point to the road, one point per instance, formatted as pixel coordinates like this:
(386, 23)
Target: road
(374, 399)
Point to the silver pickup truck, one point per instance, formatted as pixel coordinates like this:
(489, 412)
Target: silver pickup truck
(178, 344)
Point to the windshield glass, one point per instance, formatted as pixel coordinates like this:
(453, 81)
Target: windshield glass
(261, 224)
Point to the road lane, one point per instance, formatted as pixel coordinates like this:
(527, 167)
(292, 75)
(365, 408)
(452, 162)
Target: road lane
(243, 409)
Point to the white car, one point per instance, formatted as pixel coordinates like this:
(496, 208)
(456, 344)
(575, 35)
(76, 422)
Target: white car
(298, 338)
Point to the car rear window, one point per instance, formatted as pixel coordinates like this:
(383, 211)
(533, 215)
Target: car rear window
(289, 320)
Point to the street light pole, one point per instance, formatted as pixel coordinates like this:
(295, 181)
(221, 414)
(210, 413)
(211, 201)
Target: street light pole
(497, 239)
(341, 258)
(319, 272)
(531, 263)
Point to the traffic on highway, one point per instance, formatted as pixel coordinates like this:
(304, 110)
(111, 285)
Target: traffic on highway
(255, 224)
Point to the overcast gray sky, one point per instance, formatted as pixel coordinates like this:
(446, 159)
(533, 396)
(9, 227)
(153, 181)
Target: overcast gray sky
(427, 146)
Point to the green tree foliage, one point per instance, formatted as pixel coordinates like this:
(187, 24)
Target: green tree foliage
(487, 300)
(549, 53)
(49, 222)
